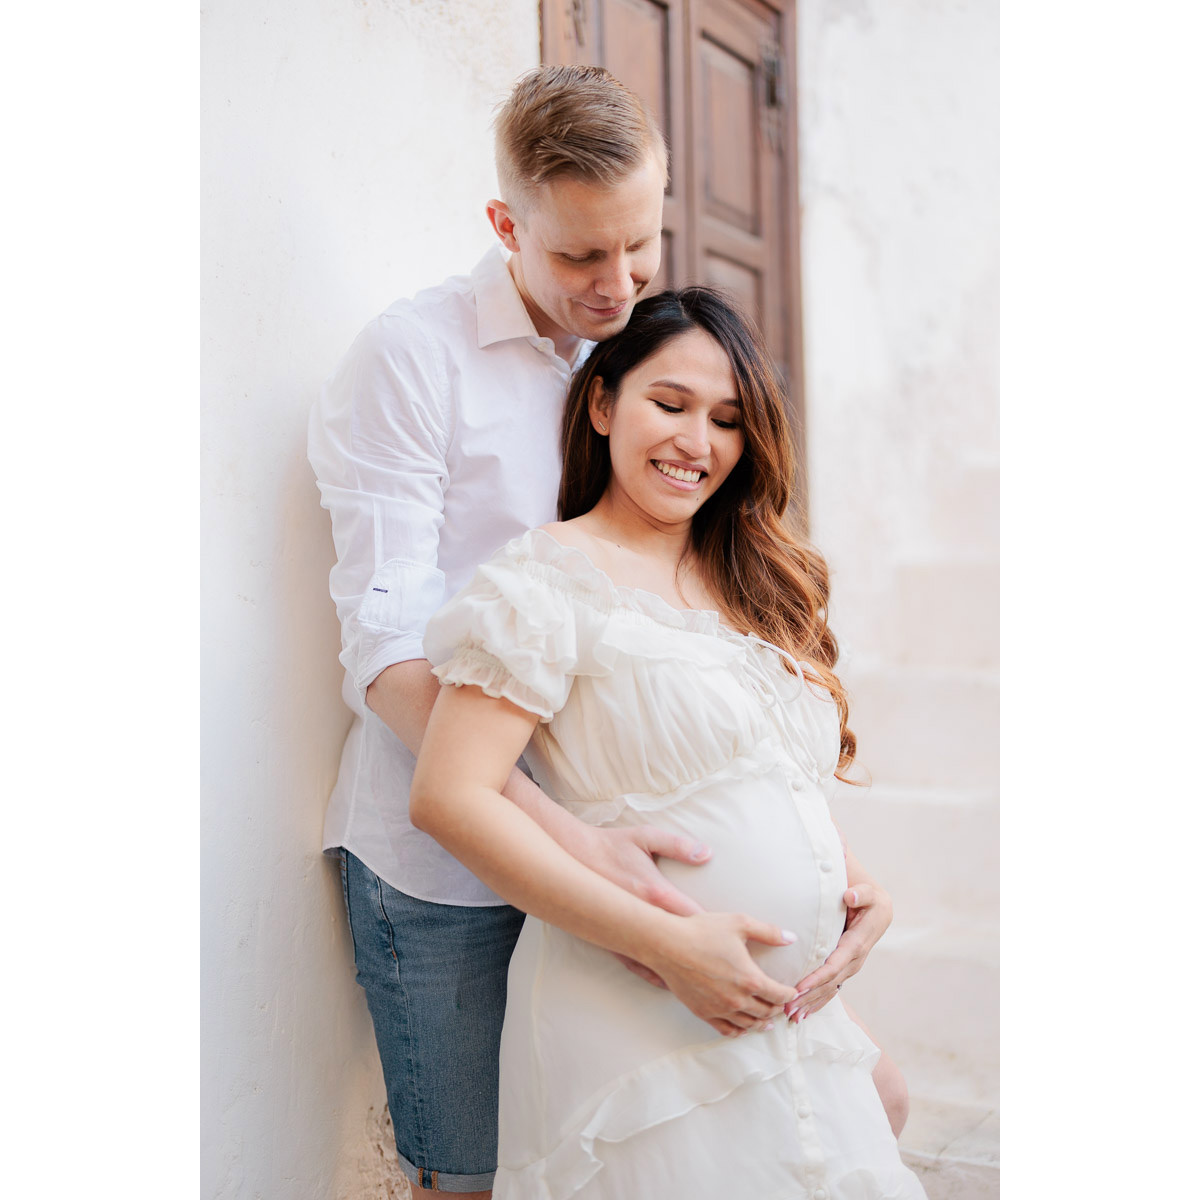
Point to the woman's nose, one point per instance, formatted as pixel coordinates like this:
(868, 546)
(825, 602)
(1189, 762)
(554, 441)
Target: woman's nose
(692, 439)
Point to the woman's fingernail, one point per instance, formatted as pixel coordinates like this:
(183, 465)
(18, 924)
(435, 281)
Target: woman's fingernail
(803, 992)
(699, 852)
(770, 1025)
(854, 897)
(788, 937)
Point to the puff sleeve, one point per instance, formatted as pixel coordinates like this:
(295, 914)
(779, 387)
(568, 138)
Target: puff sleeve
(519, 630)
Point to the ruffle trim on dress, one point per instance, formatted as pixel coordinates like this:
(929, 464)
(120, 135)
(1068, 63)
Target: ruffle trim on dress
(672, 1086)
(473, 666)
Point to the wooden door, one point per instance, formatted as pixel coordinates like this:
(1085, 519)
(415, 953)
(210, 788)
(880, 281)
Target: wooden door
(716, 74)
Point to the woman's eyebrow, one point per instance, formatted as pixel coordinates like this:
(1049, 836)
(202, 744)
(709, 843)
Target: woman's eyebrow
(687, 391)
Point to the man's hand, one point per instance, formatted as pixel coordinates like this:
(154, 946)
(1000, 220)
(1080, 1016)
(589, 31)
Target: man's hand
(627, 858)
(869, 913)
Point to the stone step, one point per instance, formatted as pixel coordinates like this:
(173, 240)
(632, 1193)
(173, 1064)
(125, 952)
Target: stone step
(925, 727)
(943, 613)
(930, 997)
(953, 1148)
(964, 508)
(936, 852)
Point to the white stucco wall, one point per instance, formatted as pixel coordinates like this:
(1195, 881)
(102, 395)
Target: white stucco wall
(346, 160)
(900, 193)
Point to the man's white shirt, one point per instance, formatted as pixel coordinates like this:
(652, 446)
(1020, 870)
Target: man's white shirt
(434, 442)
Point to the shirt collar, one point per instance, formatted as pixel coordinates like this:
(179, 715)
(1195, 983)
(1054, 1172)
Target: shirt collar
(500, 311)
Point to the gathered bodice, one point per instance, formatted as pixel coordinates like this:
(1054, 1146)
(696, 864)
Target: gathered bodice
(637, 698)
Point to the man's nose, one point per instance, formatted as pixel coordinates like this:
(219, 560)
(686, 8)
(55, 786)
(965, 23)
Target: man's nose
(617, 283)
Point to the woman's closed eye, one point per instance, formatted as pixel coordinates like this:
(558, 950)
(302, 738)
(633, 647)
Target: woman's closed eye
(720, 422)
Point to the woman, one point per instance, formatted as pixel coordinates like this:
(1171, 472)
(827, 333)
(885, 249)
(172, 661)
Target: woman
(664, 653)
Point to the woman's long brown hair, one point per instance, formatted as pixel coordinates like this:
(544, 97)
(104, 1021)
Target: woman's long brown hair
(769, 580)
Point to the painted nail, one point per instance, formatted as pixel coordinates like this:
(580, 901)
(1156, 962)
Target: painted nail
(803, 992)
(770, 1025)
(788, 937)
(854, 898)
(699, 852)
(803, 1013)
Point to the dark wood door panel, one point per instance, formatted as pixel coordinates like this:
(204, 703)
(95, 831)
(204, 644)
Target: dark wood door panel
(635, 41)
(727, 142)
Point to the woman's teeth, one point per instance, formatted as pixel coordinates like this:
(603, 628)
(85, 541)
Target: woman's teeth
(678, 472)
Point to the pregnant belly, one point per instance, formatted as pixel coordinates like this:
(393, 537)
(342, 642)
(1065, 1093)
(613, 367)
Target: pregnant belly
(776, 856)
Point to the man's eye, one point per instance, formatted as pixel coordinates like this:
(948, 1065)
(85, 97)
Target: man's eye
(668, 407)
(577, 258)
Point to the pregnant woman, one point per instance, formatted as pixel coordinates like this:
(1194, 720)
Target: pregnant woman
(664, 653)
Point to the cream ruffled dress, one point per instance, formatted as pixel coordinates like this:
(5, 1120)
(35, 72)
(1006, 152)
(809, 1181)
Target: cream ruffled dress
(610, 1089)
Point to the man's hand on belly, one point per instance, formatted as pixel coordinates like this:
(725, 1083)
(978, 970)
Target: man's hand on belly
(627, 858)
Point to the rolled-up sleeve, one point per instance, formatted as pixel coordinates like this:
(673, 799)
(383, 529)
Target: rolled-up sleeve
(378, 439)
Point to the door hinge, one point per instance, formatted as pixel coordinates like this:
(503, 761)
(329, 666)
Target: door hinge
(774, 94)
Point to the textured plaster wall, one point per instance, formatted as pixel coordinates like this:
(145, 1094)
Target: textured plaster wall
(899, 145)
(346, 162)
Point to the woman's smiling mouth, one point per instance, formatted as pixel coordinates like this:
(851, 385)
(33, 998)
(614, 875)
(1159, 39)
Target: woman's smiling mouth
(681, 474)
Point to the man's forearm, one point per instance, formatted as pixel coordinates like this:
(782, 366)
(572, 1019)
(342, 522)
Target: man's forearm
(402, 697)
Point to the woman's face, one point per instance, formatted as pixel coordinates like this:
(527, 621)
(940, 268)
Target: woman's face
(674, 431)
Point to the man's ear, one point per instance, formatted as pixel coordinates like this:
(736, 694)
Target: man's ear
(599, 406)
(501, 220)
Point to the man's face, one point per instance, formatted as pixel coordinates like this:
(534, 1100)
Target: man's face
(584, 253)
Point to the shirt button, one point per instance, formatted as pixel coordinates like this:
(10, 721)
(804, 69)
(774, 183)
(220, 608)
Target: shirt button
(826, 865)
(803, 1111)
(819, 950)
(796, 785)
(820, 1194)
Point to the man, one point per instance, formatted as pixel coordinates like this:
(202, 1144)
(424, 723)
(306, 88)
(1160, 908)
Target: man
(434, 442)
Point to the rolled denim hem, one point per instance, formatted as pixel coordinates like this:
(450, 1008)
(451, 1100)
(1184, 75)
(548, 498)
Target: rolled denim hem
(443, 1181)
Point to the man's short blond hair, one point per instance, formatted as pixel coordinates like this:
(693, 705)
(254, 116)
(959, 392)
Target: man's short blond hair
(571, 122)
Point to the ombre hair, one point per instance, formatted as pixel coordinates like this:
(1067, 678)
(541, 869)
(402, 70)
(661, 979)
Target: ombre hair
(769, 580)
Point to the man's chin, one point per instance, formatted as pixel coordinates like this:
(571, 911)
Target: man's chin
(599, 328)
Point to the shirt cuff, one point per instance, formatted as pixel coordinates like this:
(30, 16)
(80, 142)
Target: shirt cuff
(390, 623)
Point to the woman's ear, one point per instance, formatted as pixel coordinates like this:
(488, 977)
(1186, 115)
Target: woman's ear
(599, 406)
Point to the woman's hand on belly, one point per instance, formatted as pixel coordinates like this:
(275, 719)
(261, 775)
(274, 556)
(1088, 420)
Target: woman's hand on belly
(869, 913)
(709, 968)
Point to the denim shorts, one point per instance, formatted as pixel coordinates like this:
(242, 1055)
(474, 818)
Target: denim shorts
(436, 979)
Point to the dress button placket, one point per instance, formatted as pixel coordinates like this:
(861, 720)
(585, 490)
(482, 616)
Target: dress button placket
(812, 1154)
